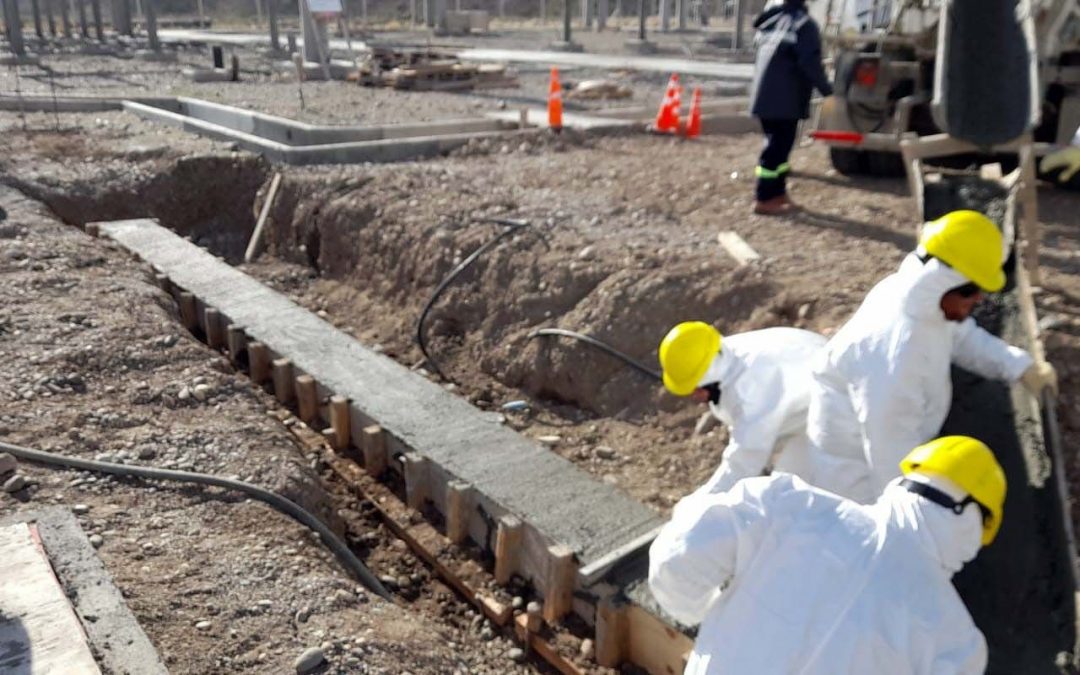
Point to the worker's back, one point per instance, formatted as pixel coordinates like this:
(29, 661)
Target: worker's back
(818, 584)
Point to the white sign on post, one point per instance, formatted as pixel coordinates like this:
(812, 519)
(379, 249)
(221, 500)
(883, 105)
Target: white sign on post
(325, 9)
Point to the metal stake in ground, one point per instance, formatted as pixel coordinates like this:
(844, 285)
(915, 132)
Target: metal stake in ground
(37, 19)
(56, 110)
(566, 22)
(14, 27)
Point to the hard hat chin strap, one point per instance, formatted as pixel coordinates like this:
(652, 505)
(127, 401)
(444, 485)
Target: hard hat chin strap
(935, 495)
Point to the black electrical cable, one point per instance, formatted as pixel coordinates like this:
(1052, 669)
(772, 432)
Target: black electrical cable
(289, 508)
(602, 346)
(512, 225)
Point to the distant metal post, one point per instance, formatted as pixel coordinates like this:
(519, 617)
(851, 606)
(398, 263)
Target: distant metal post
(601, 14)
(14, 28)
(740, 11)
(49, 17)
(665, 15)
(84, 26)
(271, 14)
(684, 11)
(99, 29)
(37, 19)
(65, 18)
(641, 20)
(150, 14)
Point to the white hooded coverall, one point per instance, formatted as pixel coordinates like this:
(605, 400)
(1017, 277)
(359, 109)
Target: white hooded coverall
(882, 384)
(764, 378)
(818, 585)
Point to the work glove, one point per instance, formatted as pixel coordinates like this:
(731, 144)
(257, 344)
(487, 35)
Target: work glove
(1068, 158)
(1038, 377)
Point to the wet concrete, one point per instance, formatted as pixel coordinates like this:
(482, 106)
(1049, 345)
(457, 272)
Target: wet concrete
(1020, 590)
(562, 502)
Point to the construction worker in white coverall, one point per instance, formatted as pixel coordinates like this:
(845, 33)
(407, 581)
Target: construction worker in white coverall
(786, 578)
(882, 384)
(757, 383)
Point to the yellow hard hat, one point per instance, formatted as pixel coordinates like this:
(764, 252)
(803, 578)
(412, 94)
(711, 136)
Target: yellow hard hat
(686, 354)
(971, 244)
(972, 466)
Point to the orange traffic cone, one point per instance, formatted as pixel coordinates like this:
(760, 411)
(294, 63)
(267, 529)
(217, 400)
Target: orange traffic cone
(667, 118)
(555, 102)
(693, 127)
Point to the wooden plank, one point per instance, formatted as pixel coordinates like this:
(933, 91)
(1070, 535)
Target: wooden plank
(416, 480)
(559, 586)
(544, 649)
(307, 399)
(254, 245)
(237, 343)
(339, 422)
(188, 312)
(737, 247)
(373, 447)
(458, 502)
(258, 362)
(215, 335)
(612, 633)
(655, 646)
(38, 628)
(507, 548)
(284, 389)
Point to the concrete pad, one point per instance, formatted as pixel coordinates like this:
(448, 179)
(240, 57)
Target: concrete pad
(38, 628)
(115, 637)
(513, 474)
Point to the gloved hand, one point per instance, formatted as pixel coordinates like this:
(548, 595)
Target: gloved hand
(1068, 158)
(1038, 377)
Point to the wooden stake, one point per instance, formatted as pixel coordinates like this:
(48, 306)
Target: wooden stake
(559, 591)
(507, 548)
(416, 479)
(457, 511)
(611, 634)
(163, 282)
(534, 618)
(307, 398)
(188, 312)
(339, 422)
(252, 251)
(373, 447)
(92, 229)
(215, 336)
(283, 382)
(258, 362)
(237, 342)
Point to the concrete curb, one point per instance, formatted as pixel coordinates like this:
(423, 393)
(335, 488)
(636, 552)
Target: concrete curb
(118, 641)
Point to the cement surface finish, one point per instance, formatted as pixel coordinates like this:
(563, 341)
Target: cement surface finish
(563, 503)
(118, 641)
(38, 629)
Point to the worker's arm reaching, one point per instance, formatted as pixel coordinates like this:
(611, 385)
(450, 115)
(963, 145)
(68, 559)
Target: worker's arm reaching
(698, 551)
(984, 354)
(808, 49)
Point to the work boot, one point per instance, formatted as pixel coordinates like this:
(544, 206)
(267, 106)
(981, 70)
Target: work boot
(772, 207)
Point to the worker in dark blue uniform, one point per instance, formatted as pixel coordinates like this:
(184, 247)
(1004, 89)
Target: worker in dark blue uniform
(787, 70)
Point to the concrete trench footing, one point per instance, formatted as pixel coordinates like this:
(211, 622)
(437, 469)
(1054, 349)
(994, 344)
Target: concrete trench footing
(542, 518)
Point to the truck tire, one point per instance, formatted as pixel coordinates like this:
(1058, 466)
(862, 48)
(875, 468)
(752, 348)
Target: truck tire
(849, 162)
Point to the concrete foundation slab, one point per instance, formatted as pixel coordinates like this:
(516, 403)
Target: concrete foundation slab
(117, 640)
(558, 503)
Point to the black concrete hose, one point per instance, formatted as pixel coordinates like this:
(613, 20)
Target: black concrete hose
(512, 226)
(602, 346)
(289, 508)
